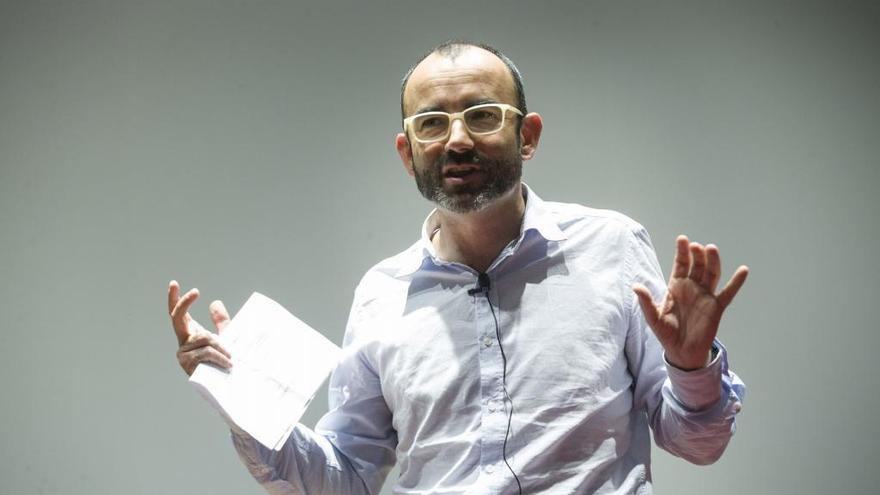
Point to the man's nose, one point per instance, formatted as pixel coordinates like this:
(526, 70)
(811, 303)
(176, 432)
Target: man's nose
(459, 138)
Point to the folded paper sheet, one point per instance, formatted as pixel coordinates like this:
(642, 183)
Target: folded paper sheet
(278, 363)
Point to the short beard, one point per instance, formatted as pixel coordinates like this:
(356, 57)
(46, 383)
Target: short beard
(501, 175)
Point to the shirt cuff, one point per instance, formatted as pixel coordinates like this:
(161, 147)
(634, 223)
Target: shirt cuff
(698, 389)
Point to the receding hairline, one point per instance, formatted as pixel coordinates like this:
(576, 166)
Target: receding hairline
(470, 60)
(453, 49)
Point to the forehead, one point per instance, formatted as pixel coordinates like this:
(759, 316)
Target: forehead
(448, 83)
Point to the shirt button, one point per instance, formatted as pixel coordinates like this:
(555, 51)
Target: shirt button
(491, 407)
(489, 469)
(487, 341)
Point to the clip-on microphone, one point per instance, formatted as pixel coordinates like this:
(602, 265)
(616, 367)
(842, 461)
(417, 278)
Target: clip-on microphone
(483, 286)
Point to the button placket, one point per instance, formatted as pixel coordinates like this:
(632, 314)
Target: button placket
(493, 425)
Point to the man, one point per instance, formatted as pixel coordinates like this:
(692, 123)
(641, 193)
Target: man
(508, 350)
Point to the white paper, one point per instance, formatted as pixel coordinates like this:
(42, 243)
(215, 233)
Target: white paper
(278, 363)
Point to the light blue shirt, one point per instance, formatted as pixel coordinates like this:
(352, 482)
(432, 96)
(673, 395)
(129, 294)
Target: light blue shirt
(421, 377)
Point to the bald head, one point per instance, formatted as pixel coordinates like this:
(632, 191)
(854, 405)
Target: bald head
(464, 53)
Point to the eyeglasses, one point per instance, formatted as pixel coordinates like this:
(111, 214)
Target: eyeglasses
(480, 120)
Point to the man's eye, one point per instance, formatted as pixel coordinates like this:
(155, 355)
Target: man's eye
(483, 115)
(431, 122)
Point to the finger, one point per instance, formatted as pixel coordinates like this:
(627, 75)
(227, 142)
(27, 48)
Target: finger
(173, 295)
(190, 359)
(219, 315)
(729, 291)
(698, 265)
(682, 262)
(206, 339)
(180, 315)
(649, 309)
(713, 268)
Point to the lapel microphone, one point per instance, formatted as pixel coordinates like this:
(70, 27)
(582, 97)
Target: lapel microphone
(483, 285)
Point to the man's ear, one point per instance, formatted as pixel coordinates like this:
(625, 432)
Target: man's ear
(530, 134)
(405, 151)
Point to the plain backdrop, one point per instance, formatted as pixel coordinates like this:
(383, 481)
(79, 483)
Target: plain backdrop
(248, 145)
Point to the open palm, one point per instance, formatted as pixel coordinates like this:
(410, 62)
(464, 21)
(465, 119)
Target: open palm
(687, 319)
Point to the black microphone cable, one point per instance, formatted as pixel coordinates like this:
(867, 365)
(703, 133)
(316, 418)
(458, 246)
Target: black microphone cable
(483, 286)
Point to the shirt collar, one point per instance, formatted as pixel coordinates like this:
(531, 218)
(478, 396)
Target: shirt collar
(536, 217)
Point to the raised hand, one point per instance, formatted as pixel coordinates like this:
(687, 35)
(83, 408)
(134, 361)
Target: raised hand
(686, 321)
(196, 345)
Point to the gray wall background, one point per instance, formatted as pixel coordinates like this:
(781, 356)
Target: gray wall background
(241, 146)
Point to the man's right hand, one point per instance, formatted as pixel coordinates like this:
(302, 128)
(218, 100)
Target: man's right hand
(196, 345)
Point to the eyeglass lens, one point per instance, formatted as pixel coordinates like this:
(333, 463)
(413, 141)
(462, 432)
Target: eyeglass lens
(480, 120)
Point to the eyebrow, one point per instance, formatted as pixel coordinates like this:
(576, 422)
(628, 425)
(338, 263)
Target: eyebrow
(468, 104)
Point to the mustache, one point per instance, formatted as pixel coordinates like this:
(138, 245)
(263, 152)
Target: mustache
(456, 158)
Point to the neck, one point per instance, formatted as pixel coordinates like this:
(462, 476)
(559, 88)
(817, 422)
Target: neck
(476, 238)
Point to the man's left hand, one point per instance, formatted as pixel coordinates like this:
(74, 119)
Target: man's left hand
(686, 321)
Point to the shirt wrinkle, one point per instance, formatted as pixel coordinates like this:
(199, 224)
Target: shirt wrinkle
(420, 381)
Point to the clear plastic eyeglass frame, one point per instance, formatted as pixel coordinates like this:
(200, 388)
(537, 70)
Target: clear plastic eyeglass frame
(504, 107)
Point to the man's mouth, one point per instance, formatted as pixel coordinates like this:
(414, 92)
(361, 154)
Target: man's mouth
(459, 171)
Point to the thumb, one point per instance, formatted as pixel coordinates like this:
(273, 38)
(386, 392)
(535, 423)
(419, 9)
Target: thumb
(219, 315)
(649, 309)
